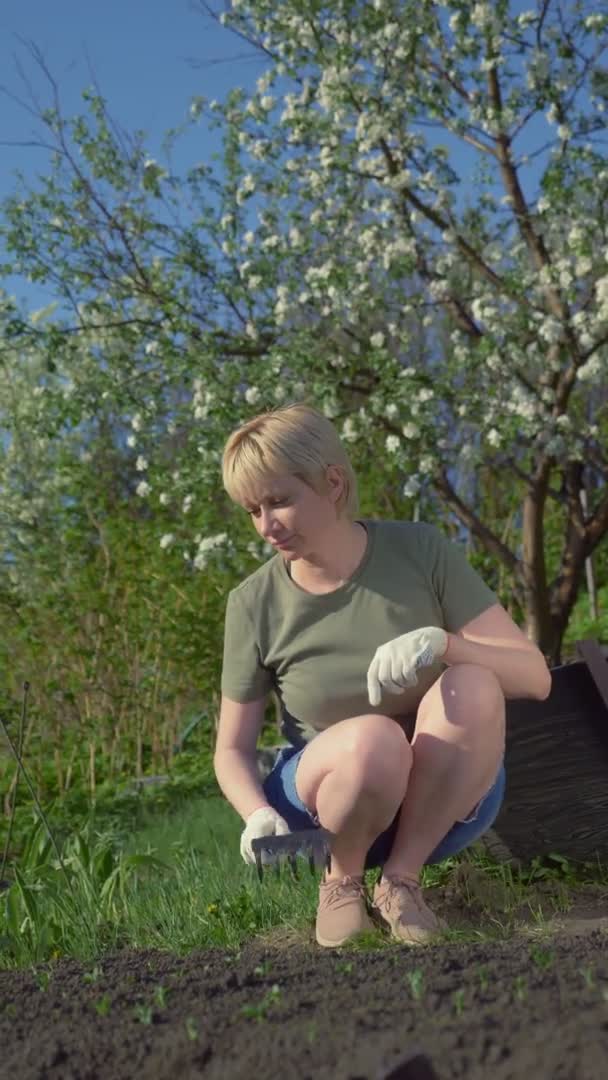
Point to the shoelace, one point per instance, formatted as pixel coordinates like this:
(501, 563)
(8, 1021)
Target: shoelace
(341, 890)
(390, 887)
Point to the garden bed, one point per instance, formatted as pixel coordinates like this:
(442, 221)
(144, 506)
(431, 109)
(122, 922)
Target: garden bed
(534, 1005)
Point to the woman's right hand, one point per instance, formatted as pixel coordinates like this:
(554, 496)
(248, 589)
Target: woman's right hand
(262, 822)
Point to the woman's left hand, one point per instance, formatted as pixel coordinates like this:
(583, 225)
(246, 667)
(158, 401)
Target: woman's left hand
(395, 663)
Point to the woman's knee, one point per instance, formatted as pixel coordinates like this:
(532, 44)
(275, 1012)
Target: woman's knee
(371, 747)
(377, 750)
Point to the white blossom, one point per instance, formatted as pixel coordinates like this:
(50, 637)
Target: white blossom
(252, 395)
(167, 540)
(410, 431)
(143, 488)
(412, 487)
(141, 464)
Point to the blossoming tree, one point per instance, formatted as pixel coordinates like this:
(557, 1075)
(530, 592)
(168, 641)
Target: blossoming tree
(409, 230)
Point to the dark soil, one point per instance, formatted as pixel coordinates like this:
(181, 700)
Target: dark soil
(532, 1007)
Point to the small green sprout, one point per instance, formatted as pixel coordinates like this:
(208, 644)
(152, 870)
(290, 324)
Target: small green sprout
(345, 965)
(416, 980)
(259, 1011)
(143, 1013)
(543, 958)
(43, 979)
(191, 1028)
(483, 978)
(458, 1001)
(520, 983)
(102, 1005)
(92, 976)
(160, 996)
(587, 973)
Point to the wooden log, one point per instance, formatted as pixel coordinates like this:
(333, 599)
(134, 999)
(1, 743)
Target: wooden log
(556, 761)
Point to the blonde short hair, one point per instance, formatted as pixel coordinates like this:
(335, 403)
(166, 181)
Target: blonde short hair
(295, 439)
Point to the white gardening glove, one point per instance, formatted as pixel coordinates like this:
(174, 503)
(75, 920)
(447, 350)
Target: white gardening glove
(394, 665)
(263, 822)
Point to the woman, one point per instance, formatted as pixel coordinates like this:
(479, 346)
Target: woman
(392, 660)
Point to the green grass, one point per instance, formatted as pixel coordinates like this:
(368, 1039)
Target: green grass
(178, 883)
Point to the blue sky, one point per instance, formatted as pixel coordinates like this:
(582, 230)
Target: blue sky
(142, 54)
(149, 60)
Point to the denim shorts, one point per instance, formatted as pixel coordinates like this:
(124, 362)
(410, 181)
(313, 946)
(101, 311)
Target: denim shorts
(280, 790)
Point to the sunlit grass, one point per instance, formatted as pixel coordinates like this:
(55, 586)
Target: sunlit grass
(177, 882)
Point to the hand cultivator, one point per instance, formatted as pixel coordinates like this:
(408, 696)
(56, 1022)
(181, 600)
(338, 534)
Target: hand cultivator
(314, 842)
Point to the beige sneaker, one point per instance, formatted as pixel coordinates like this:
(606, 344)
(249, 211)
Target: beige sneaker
(398, 904)
(342, 911)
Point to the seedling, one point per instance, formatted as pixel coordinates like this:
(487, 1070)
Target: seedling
(143, 1013)
(43, 979)
(160, 996)
(92, 976)
(542, 957)
(263, 968)
(345, 965)
(483, 978)
(311, 1031)
(191, 1028)
(416, 980)
(259, 1011)
(458, 998)
(520, 983)
(587, 973)
(102, 1005)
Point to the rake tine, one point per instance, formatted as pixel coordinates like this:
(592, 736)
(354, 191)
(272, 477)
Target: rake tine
(311, 860)
(258, 863)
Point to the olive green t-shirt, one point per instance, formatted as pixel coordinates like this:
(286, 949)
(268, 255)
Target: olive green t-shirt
(314, 650)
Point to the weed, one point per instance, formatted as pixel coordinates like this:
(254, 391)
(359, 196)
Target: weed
(259, 1011)
(521, 987)
(458, 998)
(263, 968)
(415, 980)
(311, 1031)
(483, 978)
(10, 1010)
(102, 1005)
(160, 996)
(191, 1028)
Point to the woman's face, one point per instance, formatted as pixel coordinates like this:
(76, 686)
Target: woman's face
(290, 516)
